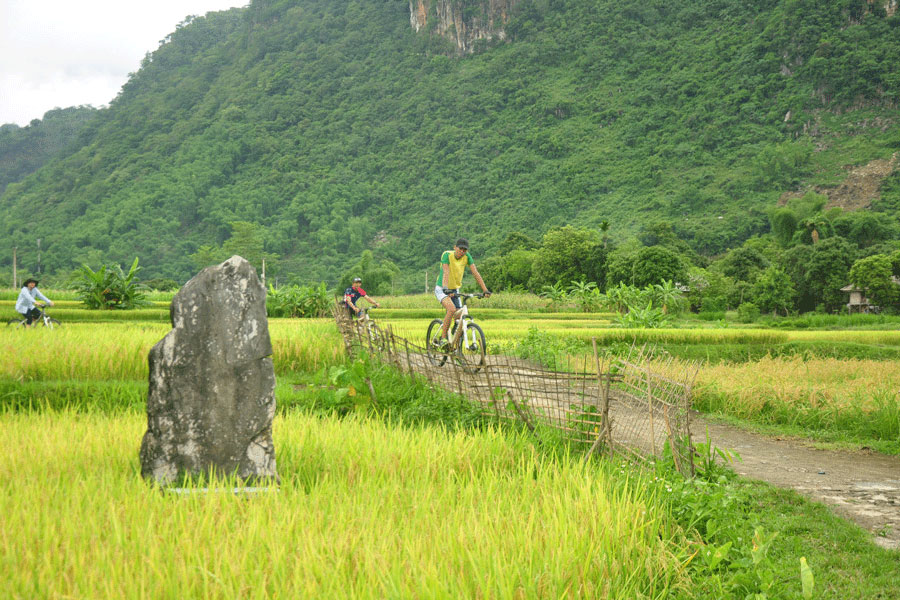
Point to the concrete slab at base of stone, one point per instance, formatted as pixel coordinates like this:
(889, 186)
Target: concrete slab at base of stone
(212, 383)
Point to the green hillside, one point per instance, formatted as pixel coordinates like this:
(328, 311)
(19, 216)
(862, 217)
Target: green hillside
(336, 128)
(23, 150)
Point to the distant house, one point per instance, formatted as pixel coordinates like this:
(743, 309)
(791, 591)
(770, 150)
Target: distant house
(858, 301)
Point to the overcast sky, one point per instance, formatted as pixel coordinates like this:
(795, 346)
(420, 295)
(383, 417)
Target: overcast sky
(61, 53)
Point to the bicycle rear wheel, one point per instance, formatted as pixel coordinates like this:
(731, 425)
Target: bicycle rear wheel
(15, 323)
(435, 354)
(472, 348)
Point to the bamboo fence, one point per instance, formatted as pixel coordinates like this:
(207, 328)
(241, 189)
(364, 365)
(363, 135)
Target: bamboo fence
(610, 404)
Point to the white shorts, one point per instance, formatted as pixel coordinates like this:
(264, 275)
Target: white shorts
(440, 295)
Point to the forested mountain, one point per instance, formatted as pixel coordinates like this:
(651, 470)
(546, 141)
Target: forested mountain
(334, 126)
(25, 149)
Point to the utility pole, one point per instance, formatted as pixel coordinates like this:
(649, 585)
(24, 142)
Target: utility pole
(264, 272)
(15, 280)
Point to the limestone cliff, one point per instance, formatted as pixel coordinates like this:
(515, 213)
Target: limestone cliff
(462, 21)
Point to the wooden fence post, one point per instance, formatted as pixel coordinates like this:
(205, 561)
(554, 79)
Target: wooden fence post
(650, 409)
(605, 433)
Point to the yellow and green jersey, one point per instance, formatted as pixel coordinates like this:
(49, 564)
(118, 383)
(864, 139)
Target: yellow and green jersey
(457, 268)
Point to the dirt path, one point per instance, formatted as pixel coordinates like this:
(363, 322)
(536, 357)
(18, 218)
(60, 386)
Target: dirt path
(863, 487)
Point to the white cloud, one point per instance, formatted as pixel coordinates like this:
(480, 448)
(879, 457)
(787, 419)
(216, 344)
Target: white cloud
(59, 53)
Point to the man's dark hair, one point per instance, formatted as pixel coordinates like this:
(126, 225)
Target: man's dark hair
(462, 243)
(27, 281)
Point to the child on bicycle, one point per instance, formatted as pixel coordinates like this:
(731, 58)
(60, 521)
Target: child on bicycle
(453, 267)
(26, 304)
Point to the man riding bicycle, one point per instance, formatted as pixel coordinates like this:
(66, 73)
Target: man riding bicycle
(353, 293)
(26, 304)
(446, 290)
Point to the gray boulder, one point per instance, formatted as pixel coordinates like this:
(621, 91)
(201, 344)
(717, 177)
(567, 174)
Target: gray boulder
(212, 384)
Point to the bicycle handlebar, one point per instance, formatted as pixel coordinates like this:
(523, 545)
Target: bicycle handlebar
(451, 293)
(364, 311)
(465, 297)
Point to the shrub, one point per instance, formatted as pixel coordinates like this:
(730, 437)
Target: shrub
(295, 301)
(162, 284)
(748, 312)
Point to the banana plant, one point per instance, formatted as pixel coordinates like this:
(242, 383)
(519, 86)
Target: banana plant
(583, 293)
(109, 287)
(556, 294)
(649, 317)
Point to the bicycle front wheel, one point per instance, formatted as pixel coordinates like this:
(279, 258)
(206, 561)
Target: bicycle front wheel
(435, 355)
(375, 336)
(472, 348)
(51, 323)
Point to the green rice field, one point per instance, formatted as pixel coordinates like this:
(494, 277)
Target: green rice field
(827, 382)
(365, 510)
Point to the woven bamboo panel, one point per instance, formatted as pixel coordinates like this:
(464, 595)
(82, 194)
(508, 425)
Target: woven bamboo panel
(617, 405)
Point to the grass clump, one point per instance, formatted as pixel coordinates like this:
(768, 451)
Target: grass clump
(756, 536)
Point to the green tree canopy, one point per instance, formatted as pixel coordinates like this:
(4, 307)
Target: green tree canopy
(774, 291)
(743, 264)
(874, 274)
(509, 271)
(568, 254)
(826, 271)
(517, 241)
(377, 276)
(648, 266)
(784, 223)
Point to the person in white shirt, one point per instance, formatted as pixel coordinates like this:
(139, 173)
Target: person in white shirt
(26, 304)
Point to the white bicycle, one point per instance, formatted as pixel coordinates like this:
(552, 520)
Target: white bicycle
(369, 329)
(466, 343)
(44, 319)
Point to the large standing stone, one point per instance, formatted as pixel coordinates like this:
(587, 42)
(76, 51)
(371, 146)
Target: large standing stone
(212, 384)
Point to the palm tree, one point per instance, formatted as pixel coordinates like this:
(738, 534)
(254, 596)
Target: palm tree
(815, 225)
(604, 228)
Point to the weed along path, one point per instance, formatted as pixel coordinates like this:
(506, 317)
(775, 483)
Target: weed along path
(863, 487)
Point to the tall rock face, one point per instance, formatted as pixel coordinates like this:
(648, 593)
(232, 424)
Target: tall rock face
(462, 21)
(212, 382)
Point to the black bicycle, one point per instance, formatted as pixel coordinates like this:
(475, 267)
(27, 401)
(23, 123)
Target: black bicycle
(44, 319)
